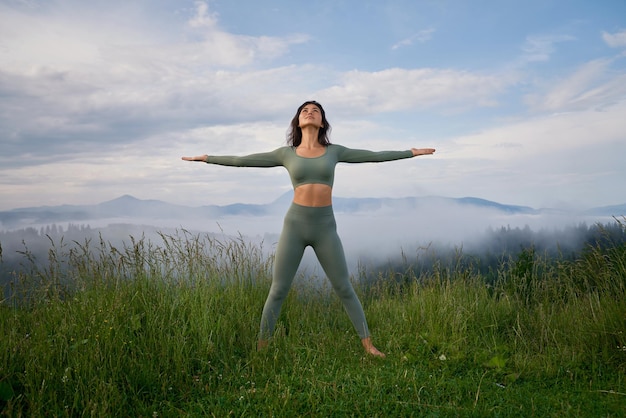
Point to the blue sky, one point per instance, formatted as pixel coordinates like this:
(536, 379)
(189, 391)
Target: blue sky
(524, 101)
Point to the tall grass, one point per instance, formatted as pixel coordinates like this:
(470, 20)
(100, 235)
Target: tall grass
(169, 328)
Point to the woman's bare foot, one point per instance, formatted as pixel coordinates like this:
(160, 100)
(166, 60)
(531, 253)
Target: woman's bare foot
(261, 345)
(370, 349)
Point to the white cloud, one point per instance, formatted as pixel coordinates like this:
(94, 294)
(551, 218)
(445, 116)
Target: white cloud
(564, 157)
(615, 40)
(127, 79)
(75, 75)
(218, 48)
(590, 86)
(543, 135)
(421, 37)
(203, 17)
(541, 47)
(83, 42)
(399, 89)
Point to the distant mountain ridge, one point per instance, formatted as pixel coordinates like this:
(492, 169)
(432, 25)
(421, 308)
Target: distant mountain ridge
(129, 207)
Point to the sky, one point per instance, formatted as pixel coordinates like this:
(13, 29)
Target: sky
(523, 100)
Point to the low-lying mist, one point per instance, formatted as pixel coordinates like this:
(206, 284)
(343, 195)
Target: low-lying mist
(383, 237)
(374, 238)
(371, 239)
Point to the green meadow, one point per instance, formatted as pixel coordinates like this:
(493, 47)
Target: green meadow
(168, 328)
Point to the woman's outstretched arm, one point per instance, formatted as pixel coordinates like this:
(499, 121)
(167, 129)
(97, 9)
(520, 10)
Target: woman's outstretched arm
(351, 155)
(263, 159)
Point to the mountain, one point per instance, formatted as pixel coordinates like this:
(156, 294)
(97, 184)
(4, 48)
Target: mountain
(408, 203)
(615, 210)
(130, 208)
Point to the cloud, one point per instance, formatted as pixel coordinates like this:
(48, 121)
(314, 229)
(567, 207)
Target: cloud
(400, 89)
(543, 135)
(78, 82)
(218, 48)
(107, 96)
(615, 40)
(592, 85)
(551, 159)
(203, 17)
(81, 41)
(421, 37)
(541, 47)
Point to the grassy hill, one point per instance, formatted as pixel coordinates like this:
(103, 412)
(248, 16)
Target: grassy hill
(170, 330)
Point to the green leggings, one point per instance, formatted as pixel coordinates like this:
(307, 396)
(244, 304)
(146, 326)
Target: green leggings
(314, 226)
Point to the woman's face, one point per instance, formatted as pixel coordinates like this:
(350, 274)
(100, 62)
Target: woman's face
(310, 115)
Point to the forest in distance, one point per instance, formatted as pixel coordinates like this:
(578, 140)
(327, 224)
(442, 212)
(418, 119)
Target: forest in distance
(27, 251)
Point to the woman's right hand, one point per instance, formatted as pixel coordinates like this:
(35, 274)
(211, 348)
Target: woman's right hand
(201, 158)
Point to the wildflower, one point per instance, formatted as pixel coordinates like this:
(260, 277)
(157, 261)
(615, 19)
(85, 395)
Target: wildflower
(65, 377)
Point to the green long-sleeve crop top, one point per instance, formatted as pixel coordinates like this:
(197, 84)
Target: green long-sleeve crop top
(303, 170)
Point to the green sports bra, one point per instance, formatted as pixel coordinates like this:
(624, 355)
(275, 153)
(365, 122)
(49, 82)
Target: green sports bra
(303, 170)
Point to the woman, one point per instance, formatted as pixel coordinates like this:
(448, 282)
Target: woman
(310, 160)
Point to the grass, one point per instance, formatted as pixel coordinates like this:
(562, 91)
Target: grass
(170, 329)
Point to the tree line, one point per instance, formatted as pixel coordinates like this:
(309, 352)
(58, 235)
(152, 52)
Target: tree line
(22, 249)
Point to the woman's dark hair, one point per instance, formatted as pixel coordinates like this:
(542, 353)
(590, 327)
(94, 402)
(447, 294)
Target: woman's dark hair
(294, 134)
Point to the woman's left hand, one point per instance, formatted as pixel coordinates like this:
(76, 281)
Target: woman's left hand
(422, 151)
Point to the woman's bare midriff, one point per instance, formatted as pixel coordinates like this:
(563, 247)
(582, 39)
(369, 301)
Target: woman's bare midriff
(315, 195)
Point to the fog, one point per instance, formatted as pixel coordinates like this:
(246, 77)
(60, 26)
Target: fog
(374, 238)
(371, 237)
